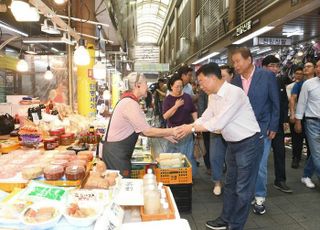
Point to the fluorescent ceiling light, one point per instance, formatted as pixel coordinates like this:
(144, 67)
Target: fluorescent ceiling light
(31, 51)
(205, 58)
(13, 29)
(293, 33)
(254, 34)
(48, 40)
(254, 49)
(54, 49)
(49, 29)
(264, 50)
(10, 50)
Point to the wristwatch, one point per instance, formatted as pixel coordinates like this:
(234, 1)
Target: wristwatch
(193, 129)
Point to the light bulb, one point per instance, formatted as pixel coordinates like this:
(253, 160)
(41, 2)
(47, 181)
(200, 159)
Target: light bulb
(22, 66)
(300, 53)
(99, 71)
(48, 75)
(81, 55)
(22, 12)
(19, 7)
(59, 2)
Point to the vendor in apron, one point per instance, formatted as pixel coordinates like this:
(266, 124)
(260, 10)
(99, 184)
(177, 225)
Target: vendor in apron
(126, 123)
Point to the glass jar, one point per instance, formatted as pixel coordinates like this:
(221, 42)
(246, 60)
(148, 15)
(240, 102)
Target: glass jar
(49, 143)
(66, 139)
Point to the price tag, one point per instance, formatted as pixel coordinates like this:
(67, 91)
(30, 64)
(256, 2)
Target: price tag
(35, 118)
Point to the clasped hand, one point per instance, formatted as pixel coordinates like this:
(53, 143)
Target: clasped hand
(181, 131)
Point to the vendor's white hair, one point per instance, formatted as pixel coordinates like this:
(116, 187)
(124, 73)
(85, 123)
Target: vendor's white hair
(132, 79)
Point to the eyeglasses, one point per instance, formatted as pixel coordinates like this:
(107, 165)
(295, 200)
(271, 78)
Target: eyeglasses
(308, 66)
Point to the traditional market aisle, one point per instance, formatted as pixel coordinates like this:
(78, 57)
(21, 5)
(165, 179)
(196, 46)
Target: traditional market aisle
(299, 210)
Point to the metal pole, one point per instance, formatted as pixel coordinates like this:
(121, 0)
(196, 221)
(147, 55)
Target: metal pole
(70, 69)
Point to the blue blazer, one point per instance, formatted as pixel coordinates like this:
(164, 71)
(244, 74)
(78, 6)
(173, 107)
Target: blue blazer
(264, 98)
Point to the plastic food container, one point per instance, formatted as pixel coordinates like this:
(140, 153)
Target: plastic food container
(72, 210)
(83, 157)
(31, 172)
(75, 172)
(82, 163)
(42, 215)
(57, 133)
(50, 143)
(53, 172)
(67, 139)
(61, 162)
(89, 154)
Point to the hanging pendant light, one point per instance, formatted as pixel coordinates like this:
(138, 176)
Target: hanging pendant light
(23, 12)
(81, 54)
(22, 65)
(99, 70)
(48, 75)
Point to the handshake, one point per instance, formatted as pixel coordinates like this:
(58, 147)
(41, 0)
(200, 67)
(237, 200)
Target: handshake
(179, 132)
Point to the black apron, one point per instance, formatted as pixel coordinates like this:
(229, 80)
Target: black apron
(117, 155)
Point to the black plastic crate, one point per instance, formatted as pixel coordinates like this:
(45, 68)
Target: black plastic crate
(182, 194)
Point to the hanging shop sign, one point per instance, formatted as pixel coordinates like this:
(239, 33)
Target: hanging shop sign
(151, 67)
(243, 28)
(7, 62)
(272, 41)
(218, 61)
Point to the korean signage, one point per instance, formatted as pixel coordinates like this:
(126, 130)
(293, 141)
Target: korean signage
(272, 41)
(151, 67)
(243, 28)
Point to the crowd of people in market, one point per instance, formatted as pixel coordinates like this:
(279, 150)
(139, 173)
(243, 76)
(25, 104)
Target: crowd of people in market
(240, 113)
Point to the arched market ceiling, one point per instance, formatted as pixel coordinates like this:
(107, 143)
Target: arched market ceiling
(150, 17)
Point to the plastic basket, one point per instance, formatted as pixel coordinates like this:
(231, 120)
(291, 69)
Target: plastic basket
(175, 175)
(137, 173)
(182, 194)
(160, 216)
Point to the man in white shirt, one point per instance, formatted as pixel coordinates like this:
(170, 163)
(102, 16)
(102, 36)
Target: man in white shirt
(230, 113)
(309, 107)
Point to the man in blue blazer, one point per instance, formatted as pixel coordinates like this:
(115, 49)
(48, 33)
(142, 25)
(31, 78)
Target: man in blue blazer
(262, 89)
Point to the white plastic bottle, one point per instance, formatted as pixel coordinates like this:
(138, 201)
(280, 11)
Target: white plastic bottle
(152, 201)
(149, 178)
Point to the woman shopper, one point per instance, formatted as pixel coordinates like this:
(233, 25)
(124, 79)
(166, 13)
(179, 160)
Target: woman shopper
(178, 109)
(125, 125)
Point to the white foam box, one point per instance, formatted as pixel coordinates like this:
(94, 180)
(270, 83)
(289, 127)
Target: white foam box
(15, 99)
